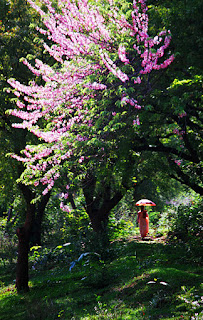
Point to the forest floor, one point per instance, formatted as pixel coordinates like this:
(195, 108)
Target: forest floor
(146, 279)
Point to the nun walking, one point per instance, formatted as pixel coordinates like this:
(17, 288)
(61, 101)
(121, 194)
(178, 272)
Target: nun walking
(143, 217)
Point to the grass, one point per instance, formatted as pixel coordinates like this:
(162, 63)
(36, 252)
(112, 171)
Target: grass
(147, 279)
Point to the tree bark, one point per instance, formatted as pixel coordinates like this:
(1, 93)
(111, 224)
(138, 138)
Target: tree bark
(99, 218)
(23, 234)
(30, 230)
(36, 231)
(22, 262)
(99, 207)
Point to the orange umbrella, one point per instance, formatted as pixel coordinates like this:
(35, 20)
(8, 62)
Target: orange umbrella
(145, 202)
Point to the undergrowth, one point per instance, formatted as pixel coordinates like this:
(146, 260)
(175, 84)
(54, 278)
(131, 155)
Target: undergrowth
(141, 280)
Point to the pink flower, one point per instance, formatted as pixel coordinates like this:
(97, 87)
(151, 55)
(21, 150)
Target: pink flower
(45, 191)
(178, 162)
(81, 159)
(137, 80)
(137, 121)
(122, 54)
(183, 114)
(65, 208)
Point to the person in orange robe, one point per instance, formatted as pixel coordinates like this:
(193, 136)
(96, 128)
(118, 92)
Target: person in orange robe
(143, 222)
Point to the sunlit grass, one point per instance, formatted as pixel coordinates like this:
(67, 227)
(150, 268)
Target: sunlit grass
(142, 280)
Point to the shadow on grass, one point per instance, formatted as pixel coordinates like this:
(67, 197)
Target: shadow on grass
(143, 280)
(7, 274)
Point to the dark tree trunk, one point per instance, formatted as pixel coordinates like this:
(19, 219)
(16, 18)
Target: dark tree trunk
(98, 221)
(99, 207)
(36, 231)
(23, 234)
(22, 262)
(99, 217)
(30, 230)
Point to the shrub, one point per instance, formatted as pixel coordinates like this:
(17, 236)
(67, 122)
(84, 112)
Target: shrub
(188, 221)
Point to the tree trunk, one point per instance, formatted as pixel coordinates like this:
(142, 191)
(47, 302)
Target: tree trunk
(22, 262)
(99, 207)
(98, 221)
(30, 232)
(99, 218)
(36, 231)
(23, 234)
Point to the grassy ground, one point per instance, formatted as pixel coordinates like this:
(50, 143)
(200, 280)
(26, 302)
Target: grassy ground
(140, 279)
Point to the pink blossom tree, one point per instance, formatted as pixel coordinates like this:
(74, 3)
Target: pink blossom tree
(104, 57)
(85, 108)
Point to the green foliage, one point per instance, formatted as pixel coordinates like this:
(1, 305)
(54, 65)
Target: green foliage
(63, 227)
(7, 245)
(185, 23)
(120, 228)
(191, 301)
(154, 217)
(179, 106)
(43, 258)
(188, 221)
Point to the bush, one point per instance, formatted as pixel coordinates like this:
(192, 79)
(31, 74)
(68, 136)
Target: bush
(48, 258)
(119, 228)
(188, 221)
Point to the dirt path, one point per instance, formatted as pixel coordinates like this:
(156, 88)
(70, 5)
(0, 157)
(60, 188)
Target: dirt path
(150, 239)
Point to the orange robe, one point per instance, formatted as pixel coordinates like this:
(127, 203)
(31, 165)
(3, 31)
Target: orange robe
(143, 223)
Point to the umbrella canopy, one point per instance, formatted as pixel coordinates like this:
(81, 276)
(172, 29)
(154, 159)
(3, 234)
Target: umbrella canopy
(145, 202)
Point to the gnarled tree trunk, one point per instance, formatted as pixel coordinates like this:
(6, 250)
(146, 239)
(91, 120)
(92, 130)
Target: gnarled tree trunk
(98, 207)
